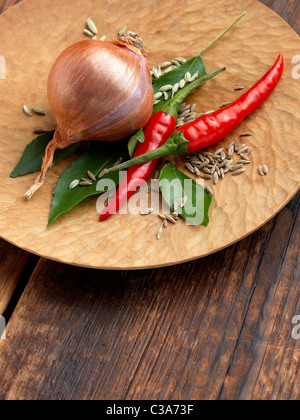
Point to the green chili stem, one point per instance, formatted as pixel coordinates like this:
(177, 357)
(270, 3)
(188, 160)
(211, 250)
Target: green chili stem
(175, 145)
(223, 33)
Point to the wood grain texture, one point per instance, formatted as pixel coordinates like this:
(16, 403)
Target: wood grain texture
(132, 244)
(216, 328)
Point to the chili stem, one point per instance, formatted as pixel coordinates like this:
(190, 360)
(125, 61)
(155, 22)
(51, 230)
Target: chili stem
(223, 33)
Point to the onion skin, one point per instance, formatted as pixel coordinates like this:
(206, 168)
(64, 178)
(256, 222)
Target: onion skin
(99, 91)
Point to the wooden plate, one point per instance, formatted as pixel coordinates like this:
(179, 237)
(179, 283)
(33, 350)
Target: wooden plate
(31, 36)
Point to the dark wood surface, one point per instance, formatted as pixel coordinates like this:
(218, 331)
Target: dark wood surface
(216, 328)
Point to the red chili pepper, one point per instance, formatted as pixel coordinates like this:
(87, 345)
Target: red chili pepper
(158, 129)
(156, 132)
(211, 128)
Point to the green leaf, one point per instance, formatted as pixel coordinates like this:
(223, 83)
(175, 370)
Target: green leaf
(174, 76)
(134, 140)
(101, 156)
(32, 157)
(175, 185)
(170, 78)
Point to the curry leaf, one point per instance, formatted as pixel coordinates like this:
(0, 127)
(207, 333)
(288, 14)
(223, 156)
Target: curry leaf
(101, 156)
(32, 157)
(175, 185)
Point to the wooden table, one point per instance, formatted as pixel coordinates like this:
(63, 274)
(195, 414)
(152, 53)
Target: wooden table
(216, 328)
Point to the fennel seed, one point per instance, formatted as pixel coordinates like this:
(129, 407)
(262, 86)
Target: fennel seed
(239, 88)
(209, 190)
(38, 111)
(247, 134)
(238, 172)
(39, 130)
(158, 95)
(165, 64)
(160, 231)
(170, 219)
(165, 88)
(85, 183)
(265, 169)
(147, 211)
(91, 175)
(74, 184)
(91, 26)
(88, 33)
(27, 111)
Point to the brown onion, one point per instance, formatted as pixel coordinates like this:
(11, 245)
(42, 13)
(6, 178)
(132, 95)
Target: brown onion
(100, 91)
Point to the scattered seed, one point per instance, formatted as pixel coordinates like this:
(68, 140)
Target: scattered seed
(157, 101)
(265, 169)
(187, 76)
(194, 77)
(85, 183)
(160, 231)
(122, 31)
(222, 173)
(244, 162)
(175, 206)
(190, 168)
(103, 38)
(165, 64)
(162, 217)
(218, 152)
(155, 73)
(238, 172)
(177, 64)
(239, 88)
(180, 60)
(102, 173)
(224, 104)
(216, 178)
(38, 111)
(223, 164)
(197, 172)
(209, 112)
(231, 151)
(243, 156)
(227, 169)
(193, 107)
(236, 167)
(91, 175)
(158, 95)
(39, 131)
(74, 184)
(165, 223)
(91, 26)
(209, 190)
(27, 111)
(165, 88)
(206, 176)
(147, 211)
(181, 83)
(261, 171)
(206, 170)
(175, 89)
(166, 96)
(247, 134)
(170, 219)
(242, 149)
(88, 33)
(223, 156)
(236, 146)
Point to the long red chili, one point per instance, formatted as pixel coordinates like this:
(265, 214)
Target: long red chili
(211, 128)
(157, 131)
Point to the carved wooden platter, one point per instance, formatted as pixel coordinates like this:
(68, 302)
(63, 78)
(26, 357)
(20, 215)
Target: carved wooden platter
(32, 34)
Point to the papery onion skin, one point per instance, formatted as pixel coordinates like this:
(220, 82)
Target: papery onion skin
(97, 90)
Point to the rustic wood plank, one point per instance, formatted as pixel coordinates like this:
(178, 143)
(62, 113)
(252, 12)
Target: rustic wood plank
(197, 330)
(13, 263)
